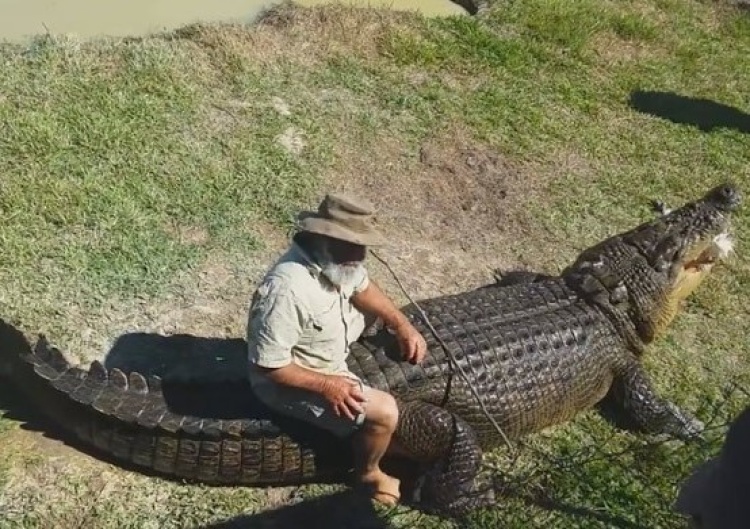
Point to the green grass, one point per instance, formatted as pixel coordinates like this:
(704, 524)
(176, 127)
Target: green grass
(111, 150)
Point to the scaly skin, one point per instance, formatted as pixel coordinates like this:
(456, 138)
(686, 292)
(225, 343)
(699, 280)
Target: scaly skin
(538, 349)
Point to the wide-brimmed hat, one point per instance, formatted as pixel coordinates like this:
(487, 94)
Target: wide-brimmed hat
(343, 217)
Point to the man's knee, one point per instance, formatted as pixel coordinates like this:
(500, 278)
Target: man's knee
(382, 410)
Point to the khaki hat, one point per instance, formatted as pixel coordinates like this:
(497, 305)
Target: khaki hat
(342, 217)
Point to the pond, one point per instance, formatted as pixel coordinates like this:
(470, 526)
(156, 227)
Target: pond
(20, 19)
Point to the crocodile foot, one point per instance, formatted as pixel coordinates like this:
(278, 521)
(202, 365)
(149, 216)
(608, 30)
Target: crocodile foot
(685, 427)
(451, 456)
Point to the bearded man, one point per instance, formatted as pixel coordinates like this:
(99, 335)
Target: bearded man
(309, 308)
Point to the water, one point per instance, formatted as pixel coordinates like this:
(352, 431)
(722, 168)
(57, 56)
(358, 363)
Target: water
(20, 19)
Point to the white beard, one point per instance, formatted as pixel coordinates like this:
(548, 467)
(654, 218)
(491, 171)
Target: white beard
(345, 277)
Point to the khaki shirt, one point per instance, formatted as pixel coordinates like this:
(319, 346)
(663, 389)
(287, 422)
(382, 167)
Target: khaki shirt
(295, 316)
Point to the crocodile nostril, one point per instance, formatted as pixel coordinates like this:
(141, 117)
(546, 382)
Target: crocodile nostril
(725, 197)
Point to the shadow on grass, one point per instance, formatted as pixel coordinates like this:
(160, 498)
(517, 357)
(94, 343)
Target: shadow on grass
(344, 509)
(585, 513)
(705, 114)
(180, 357)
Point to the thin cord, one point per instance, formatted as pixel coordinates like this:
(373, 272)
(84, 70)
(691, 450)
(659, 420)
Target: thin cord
(448, 352)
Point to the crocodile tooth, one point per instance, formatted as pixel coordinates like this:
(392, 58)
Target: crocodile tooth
(118, 378)
(138, 383)
(97, 371)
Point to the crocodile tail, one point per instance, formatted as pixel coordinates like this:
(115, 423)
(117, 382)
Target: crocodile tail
(127, 417)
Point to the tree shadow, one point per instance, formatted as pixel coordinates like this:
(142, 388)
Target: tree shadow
(346, 509)
(705, 114)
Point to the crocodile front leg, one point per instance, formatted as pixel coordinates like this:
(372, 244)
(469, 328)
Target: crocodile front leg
(451, 451)
(635, 405)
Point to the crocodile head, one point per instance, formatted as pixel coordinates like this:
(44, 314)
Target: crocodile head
(648, 271)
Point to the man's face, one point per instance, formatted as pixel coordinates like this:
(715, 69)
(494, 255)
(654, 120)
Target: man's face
(345, 253)
(343, 262)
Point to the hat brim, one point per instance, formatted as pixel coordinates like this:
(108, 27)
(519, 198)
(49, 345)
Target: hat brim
(312, 223)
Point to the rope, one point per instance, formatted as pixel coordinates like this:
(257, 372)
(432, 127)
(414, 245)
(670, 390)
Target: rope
(453, 359)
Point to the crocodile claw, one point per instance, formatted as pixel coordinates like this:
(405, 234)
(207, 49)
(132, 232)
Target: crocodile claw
(688, 428)
(693, 430)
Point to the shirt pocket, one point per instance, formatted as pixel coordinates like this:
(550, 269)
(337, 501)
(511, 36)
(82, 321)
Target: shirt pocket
(324, 329)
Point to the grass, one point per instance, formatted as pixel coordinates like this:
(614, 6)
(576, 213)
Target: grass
(126, 165)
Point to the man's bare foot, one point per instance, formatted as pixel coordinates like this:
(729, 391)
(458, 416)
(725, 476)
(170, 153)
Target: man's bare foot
(381, 487)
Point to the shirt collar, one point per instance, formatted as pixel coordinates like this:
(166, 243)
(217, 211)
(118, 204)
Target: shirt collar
(303, 257)
(314, 268)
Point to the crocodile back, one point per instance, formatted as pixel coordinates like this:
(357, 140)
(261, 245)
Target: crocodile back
(536, 353)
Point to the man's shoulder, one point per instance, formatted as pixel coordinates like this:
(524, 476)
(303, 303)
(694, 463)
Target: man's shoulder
(289, 269)
(291, 275)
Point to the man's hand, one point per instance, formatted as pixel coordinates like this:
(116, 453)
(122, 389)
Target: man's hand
(344, 396)
(341, 392)
(372, 300)
(412, 343)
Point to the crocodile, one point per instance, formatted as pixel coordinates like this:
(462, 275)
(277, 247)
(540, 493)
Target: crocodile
(506, 359)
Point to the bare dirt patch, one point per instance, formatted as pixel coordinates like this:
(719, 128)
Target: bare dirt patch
(186, 234)
(612, 49)
(451, 206)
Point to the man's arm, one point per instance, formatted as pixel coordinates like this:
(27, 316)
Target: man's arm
(373, 300)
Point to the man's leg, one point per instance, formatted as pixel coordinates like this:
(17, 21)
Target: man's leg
(371, 434)
(371, 443)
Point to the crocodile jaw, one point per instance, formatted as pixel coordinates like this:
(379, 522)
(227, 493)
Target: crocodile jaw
(717, 250)
(724, 245)
(695, 270)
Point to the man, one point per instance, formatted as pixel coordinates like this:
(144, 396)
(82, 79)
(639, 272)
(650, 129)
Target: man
(311, 305)
(717, 494)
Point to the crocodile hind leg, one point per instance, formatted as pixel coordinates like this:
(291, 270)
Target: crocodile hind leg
(449, 448)
(632, 403)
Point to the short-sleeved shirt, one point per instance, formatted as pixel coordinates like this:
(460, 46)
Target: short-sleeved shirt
(297, 316)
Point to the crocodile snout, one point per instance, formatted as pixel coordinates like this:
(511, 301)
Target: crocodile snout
(725, 197)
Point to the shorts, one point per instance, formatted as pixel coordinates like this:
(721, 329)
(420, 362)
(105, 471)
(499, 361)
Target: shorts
(309, 406)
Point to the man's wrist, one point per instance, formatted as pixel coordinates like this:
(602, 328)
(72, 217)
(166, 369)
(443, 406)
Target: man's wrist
(297, 376)
(395, 320)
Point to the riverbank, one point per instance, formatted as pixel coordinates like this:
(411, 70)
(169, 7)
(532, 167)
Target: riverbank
(21, 20)
(146, 183)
